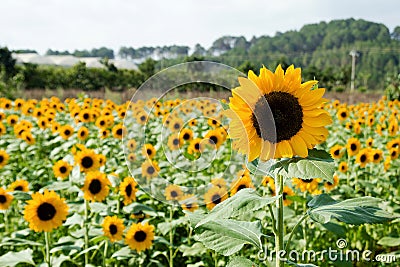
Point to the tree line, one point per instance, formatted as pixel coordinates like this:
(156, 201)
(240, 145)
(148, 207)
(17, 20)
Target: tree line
(321, 49)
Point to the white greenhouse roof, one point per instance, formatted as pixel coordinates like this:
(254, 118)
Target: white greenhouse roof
(69, 61)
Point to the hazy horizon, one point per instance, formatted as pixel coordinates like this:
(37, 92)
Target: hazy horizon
(79, 25)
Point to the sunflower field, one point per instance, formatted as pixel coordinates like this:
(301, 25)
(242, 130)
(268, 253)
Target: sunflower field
(201, 182)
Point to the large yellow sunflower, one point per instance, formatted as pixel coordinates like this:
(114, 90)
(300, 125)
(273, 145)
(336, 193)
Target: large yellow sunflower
(214, 196)
(3, 158)
(118, 131)
(241, 183)
(96, 186)
(128, 189)
(66, 131)
(189, 203)
(113, 228)
(46, 211)
(173, 192)
(287, 191)
(5, 199)
(186, 134)
(87, 160)
(363, 157)
(19, 185)
(353, 146)
(83, 133)
(274, 115)
(329, 186)
(174, 142)
(336, 151)
(309, 185)
(62, 169)
(149, 151)
(140, 236)
(150, 169)
(214, 138)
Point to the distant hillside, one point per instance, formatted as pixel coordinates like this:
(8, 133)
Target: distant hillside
(321, 49)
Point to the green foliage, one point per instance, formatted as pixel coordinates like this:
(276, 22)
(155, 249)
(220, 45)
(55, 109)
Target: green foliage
(356, 211)
(240, 262)
(11, 259)
(392, 91)
(318, 164)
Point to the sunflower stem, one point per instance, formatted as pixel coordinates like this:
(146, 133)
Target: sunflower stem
(86, 231)
(279, 245)
(171, 238)
(47, 240)
(105, 253)
(305, 215)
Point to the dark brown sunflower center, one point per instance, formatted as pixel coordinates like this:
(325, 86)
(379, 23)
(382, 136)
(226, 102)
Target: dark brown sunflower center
(336, 152)
(307, 180)
(177, 126)
(197, 146)
(83, 133)
(140, 236)
(3, 199)
(150, 170)
(86, 116)
(174, 194)
(284, 195)
(119, 131)
(113, 229)
(67, 132)
(128, 190)
(363, 158)
(63, 169)
(343, 114)
(213, 139)
(18, 188)
(329, 183)
(87, 162)
(216, 199)
(242, 186)
(95, 186)
(353, 147)
(102, 123)
(376, 156)
(1, 158)
(149, 152)
(394, 153)
(175, 142)
(283, 122)
(186, 136)
(46, 211)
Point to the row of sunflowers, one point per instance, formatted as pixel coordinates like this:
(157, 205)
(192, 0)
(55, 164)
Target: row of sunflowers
(91, 182)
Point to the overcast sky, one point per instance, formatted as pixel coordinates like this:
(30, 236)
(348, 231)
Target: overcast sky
(85, 24)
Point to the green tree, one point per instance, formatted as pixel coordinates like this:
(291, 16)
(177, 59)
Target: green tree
(148, 68)
(7, 63)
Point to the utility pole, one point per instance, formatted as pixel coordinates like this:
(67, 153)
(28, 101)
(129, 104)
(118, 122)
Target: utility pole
(353, 54)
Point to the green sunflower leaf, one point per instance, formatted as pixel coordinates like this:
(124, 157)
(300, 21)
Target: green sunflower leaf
(240, 262)
(389, 241)
(14, 258)
(229, 236)
(245, 201)
(306, 168)
(351, 211)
